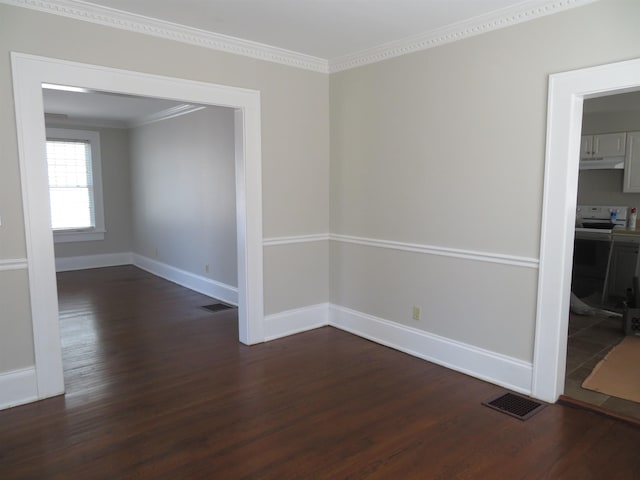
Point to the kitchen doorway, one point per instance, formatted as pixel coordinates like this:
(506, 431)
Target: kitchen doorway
(567, 92)
(605, 256)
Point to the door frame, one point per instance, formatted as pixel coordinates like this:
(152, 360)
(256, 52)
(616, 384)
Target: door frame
(29, 73)
(567, 92)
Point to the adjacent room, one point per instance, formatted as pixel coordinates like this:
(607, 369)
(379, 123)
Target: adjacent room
(158, 191)
(141, 182)
(605, 261)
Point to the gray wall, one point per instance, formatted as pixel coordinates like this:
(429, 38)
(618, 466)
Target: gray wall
(604, 187)
(445, 148)
(295, 149)
(116, 186)
(16, 340)
(183, 187)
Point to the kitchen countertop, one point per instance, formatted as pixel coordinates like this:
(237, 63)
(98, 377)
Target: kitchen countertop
(627, 233)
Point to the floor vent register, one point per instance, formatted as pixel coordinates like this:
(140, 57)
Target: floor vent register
(517, 406)
(216, 307)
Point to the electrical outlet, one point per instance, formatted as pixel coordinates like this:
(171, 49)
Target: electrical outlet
(416, 313)
(206, 268)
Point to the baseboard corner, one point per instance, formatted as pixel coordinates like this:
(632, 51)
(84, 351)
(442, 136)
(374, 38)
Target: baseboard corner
(297, 320)
(18, 387)
(206, 286)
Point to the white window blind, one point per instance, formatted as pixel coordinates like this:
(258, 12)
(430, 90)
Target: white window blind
(71, 186)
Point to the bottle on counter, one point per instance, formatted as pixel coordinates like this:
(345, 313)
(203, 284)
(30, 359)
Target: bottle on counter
(633, 215)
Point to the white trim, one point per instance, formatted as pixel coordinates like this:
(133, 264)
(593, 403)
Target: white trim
(13, 264)
(62, 236)
(502, 370)
(18, 387)
(172, 31)
(318, 237)
(29, 72)
(206, 286)
(27, 90)
(197, 283)
(172, 112)
(512, 260)
(248, 170)
(564, 123)
(52, 120)
(529, 10)
(84, 262)
(295, 321)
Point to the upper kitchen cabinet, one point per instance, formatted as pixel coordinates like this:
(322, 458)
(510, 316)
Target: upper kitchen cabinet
(604, 145)
(632, 164)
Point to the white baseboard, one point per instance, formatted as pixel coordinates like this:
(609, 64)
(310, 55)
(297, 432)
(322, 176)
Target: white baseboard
(206, 286)
(294, 321)
(18, 387)
(502, 370)
(84, 262)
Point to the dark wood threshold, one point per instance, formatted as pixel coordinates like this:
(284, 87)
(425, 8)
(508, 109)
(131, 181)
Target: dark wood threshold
(575, 403)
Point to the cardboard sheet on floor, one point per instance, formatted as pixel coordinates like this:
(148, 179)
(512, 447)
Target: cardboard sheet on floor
(618, 374)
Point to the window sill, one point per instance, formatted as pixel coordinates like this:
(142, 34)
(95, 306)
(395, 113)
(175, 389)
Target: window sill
(77, 236)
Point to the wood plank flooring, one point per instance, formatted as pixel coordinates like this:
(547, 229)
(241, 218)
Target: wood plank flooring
(158, 388)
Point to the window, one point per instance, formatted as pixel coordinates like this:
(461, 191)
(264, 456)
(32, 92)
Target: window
(75, 185)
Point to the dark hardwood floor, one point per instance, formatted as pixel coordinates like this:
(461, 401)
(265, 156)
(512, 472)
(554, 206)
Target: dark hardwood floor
(159, 388)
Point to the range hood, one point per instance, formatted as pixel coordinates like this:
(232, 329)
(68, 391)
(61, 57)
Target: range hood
(604, 163)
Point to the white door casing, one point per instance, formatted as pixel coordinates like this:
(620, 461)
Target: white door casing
(564, 122)
(29, 72)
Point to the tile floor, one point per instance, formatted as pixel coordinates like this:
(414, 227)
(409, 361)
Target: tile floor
(590, 339)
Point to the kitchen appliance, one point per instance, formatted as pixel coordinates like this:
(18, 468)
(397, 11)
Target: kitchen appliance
(598, 222)
(606, 163)
(592, 252)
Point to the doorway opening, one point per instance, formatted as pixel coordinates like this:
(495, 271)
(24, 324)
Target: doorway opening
(605, 259)
(29, 73)
(140, 182)
(567, 91)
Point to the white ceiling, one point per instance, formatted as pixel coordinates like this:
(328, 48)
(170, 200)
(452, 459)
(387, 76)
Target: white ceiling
(327, 29)
(623, 102)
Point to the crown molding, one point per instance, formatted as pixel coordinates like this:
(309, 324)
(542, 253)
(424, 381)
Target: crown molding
(110, 17)
(166, 114)
(53, 119)
(529, 10)
(80, 10)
